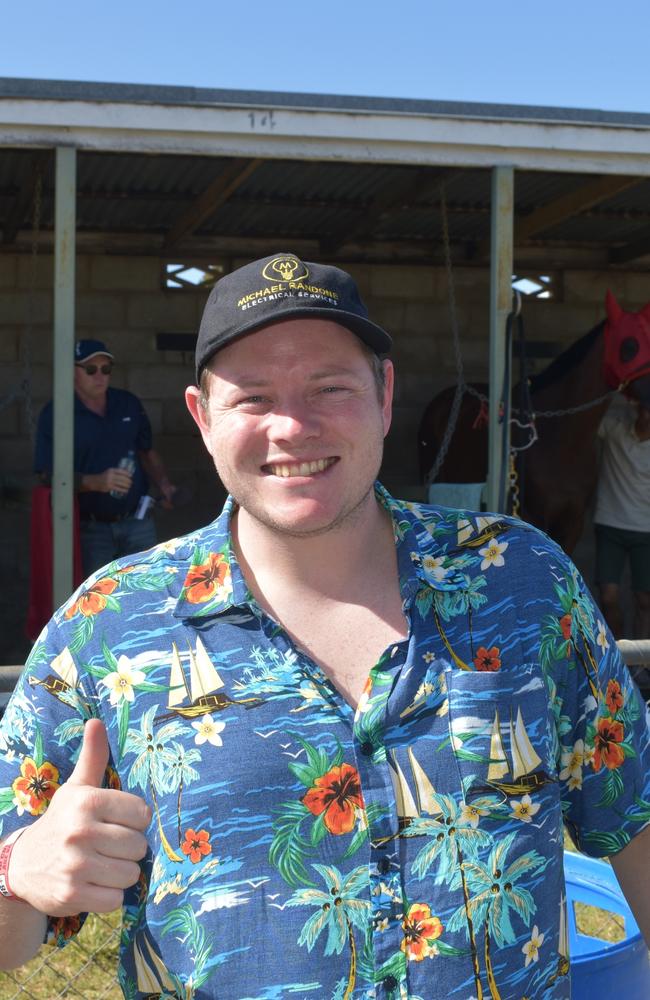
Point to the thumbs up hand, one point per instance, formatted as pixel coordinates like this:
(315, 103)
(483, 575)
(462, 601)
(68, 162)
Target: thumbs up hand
(82, 853)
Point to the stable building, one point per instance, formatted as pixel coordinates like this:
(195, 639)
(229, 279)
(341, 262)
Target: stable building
(120, 205)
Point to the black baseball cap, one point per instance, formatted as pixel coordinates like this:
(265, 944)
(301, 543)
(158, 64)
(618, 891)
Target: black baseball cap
(278, 288)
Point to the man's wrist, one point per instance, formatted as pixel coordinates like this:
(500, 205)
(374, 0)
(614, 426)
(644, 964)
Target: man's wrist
(6, 850)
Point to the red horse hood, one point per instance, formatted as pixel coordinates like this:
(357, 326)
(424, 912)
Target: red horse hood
(626, 363)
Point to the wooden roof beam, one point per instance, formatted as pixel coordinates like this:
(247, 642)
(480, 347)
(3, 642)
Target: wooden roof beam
(234, 174)
(577, 201)
(392, 194)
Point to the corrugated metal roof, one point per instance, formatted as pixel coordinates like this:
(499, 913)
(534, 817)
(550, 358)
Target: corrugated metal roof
(74, 90)
(344, 209)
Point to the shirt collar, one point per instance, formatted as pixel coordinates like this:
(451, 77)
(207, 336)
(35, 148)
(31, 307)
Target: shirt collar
(214, 583)
(422, 536)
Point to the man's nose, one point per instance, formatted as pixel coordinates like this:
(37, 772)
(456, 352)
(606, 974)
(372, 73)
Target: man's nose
(293, 421)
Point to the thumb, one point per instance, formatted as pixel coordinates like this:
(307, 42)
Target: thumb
(91, 765)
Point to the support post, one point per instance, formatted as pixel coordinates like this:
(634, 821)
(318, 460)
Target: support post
(501, 263)
(63, 394)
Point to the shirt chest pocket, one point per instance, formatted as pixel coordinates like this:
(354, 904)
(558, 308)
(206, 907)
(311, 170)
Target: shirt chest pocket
(500, 729)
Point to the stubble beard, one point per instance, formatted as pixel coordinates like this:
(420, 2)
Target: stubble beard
(347, 517)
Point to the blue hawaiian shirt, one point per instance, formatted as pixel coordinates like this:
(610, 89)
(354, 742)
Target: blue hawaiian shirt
(299, 848)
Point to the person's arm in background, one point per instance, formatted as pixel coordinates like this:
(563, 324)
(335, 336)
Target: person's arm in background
(78, 857)
(155, 471)
(632, 868)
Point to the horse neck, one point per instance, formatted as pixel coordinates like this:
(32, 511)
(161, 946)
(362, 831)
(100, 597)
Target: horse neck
(582, 383)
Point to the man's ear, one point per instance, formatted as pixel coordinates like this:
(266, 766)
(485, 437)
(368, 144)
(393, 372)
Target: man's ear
(199, 413)
(389, 386)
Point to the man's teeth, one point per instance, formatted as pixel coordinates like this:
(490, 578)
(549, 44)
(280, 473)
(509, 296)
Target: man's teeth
(304, 469)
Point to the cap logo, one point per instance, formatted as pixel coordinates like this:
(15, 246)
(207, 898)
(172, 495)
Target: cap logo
(286, 269)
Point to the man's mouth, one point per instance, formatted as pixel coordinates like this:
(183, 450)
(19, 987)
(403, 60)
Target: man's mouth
(287, 470)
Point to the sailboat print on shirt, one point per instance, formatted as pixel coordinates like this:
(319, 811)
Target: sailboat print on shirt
(63, 682)
(204, 694)
(408, 805)
(523, 763)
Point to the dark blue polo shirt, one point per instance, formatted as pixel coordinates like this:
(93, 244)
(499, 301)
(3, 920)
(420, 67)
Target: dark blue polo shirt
(100, 443)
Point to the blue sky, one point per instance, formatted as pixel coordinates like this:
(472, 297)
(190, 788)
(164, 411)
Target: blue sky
(571, 54)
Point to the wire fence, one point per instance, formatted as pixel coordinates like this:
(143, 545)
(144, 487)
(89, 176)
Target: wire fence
(85, 970)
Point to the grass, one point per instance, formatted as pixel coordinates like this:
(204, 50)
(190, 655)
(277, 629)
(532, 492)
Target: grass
(84, 970)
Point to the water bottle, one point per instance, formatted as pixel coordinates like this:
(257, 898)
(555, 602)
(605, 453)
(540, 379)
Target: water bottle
(127, 462)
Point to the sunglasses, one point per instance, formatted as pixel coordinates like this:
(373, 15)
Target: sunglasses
(93, 369)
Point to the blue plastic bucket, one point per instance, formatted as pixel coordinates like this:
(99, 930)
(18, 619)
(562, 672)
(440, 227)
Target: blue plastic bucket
(602, 968)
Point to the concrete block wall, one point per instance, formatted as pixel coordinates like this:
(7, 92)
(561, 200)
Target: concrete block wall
(120, 300)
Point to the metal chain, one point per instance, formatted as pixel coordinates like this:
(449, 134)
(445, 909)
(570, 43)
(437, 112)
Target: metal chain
(458, 356)
(549, 413)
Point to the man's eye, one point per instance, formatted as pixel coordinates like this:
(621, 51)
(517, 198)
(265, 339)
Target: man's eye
(251, 401)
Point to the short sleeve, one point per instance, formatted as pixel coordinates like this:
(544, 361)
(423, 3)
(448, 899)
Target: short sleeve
(603, 736)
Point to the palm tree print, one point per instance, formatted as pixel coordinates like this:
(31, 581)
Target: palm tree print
(495, 893)
(181, 774)
(151, 766)
(338, 910)
(450, 840)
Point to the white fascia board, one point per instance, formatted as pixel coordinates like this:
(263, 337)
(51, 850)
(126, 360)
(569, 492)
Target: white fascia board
(326, 135)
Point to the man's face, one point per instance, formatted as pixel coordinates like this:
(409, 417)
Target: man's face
(295, 424)
(90, 382)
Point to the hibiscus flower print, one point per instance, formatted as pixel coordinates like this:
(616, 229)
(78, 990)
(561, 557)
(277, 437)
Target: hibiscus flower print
(93, 600)
(614, 697)
(565, 625)
(196, 845)
(35, 787)
(337, 797)
(487, 659)
(607, 748)
(210, 579)
(420, 931)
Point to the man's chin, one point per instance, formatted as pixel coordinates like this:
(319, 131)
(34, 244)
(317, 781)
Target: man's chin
(304, 519)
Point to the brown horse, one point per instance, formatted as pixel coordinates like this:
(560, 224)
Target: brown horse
(558, 474)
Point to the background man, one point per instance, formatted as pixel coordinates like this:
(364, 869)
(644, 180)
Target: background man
(348, 725)
(110, 427)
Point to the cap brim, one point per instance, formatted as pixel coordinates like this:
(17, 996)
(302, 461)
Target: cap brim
(370, 333)
(104, 354)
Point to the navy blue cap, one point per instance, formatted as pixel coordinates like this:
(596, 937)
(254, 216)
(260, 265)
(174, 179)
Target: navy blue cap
(278, 288)
(85, 349)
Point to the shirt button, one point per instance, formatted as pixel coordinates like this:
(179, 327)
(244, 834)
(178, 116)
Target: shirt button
(367, 749)
(390, 983)
(383, 866)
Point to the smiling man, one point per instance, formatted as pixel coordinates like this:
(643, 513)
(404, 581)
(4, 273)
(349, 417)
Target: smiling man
(339, 734)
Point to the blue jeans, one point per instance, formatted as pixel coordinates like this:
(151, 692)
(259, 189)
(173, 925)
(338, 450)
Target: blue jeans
(102, 542)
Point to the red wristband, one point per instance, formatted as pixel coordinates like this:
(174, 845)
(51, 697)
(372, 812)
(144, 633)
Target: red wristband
(5, 857)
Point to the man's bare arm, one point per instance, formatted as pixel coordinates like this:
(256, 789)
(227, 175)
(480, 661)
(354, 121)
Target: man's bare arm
(78, 857)
(154, 468)
(632, 867)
